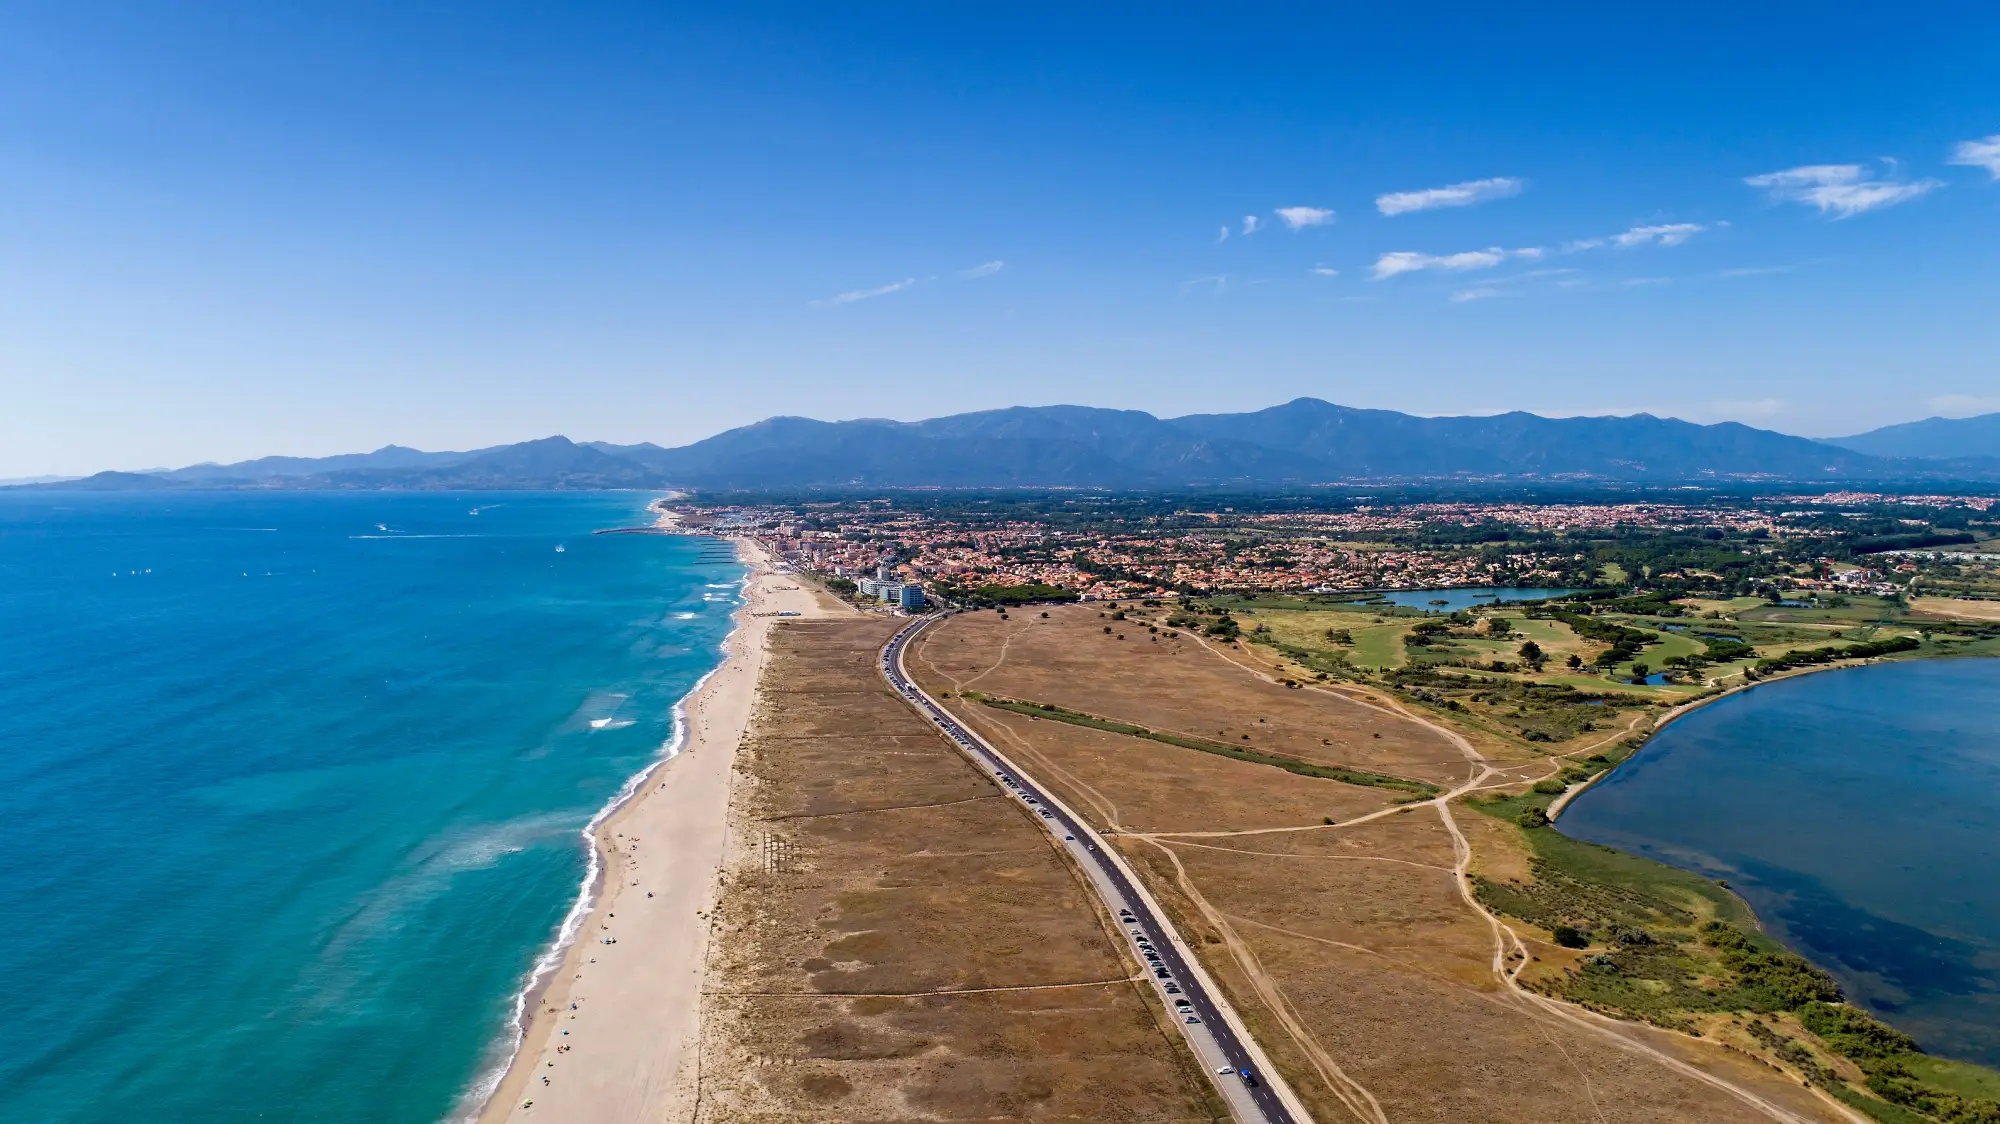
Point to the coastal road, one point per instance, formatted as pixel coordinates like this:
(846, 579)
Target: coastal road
(1252, 1089)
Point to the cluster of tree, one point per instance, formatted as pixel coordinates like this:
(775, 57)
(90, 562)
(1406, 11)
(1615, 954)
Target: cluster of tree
(1787, 981)
(1867, 649)
(1626, 643)
(988, 596)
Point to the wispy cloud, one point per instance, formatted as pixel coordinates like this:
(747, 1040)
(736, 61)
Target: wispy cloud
(1213, 284)
(1251, 223)
(1298, 218)
(1407, 261)
(1840, 190)
(1664, 234)
(1756, 270)
(853, 295)
(1962, 404)
(1643, 282)
(1978, 154)
(984, 269)
(1223, 236)
(1464, 295)
(1453, 195)
(1325, 271)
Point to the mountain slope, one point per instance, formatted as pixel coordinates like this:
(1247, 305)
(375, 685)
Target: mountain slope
(1303, 442)
(1939, 438)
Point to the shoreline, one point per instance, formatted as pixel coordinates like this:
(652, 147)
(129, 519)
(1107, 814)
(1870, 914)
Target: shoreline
(606, 1034)
(1562, 802)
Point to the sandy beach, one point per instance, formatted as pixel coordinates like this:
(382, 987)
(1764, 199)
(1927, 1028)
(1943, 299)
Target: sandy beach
(611, 1037)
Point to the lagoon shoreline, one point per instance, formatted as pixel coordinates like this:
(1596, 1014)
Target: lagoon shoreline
(1870, 980)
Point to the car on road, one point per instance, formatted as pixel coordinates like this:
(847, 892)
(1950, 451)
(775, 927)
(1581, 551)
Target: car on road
(1192, 1021)
(1248, 1077)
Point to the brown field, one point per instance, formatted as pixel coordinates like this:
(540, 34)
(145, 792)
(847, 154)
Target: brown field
(896, 941)
(1964, 610)
(1350, 949)
(1171, 685)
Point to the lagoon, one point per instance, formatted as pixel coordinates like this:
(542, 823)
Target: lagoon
(1858, 811)
(1469, 597)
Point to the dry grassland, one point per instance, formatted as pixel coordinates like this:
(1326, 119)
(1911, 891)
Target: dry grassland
(1170, 685)
(897, 941)
(1349, 949)
(1963, 610)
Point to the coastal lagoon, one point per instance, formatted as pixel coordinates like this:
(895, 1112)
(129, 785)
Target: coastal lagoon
(1858, 811)
(291, 785)
(1469, 597)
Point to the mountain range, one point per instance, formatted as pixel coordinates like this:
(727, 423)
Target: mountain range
(1305, 441)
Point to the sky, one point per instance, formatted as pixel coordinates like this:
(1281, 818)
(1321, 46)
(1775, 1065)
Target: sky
(236, 229)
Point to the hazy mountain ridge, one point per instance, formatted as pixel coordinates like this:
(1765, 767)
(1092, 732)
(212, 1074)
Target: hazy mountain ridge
(1305, 441)
(1931, 438)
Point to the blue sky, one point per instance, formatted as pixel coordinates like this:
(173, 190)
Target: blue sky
(228, 230)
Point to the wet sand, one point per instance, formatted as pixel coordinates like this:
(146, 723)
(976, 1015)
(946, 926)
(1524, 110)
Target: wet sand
(612, 1036)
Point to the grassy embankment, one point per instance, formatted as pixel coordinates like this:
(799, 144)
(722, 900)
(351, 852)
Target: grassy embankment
(1668, 947)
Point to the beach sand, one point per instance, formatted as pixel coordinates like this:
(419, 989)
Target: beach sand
(611, 1037)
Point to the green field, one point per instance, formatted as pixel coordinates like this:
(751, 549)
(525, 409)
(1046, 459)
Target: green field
(1963, 1078)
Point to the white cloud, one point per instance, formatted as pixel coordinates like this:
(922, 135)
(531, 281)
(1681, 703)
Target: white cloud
(984, 269)
(1641, 282)
(1325, 271)
(1664, 234)
(1406, 261)
(853, 295)
(1953, 405)
(1668, 234)
(1978, 154)
(1222, 237)
(1251, 223)
(1455, 195)
(1298, 218)
(1840, 190)
(1464, 295)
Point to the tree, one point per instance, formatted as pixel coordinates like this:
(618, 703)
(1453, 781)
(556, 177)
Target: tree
(1532, 653)
(1575, 661)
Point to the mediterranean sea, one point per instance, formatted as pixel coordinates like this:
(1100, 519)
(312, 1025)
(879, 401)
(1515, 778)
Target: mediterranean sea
(1858, 811)
(292, 785)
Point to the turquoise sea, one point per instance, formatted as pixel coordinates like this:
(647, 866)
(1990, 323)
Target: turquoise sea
(1858, 812)
(292, 785)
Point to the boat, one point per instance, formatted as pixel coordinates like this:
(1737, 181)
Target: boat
(559, 548)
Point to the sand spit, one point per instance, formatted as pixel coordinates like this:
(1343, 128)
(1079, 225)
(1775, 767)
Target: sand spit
(610, 1039)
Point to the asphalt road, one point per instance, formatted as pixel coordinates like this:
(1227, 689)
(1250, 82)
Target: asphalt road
(1218, 1037)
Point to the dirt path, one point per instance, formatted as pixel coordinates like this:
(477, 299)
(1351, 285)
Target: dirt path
(1351, 1093)
(1510, 952)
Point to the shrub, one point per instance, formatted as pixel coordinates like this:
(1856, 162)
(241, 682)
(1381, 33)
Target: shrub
(1570, 937)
